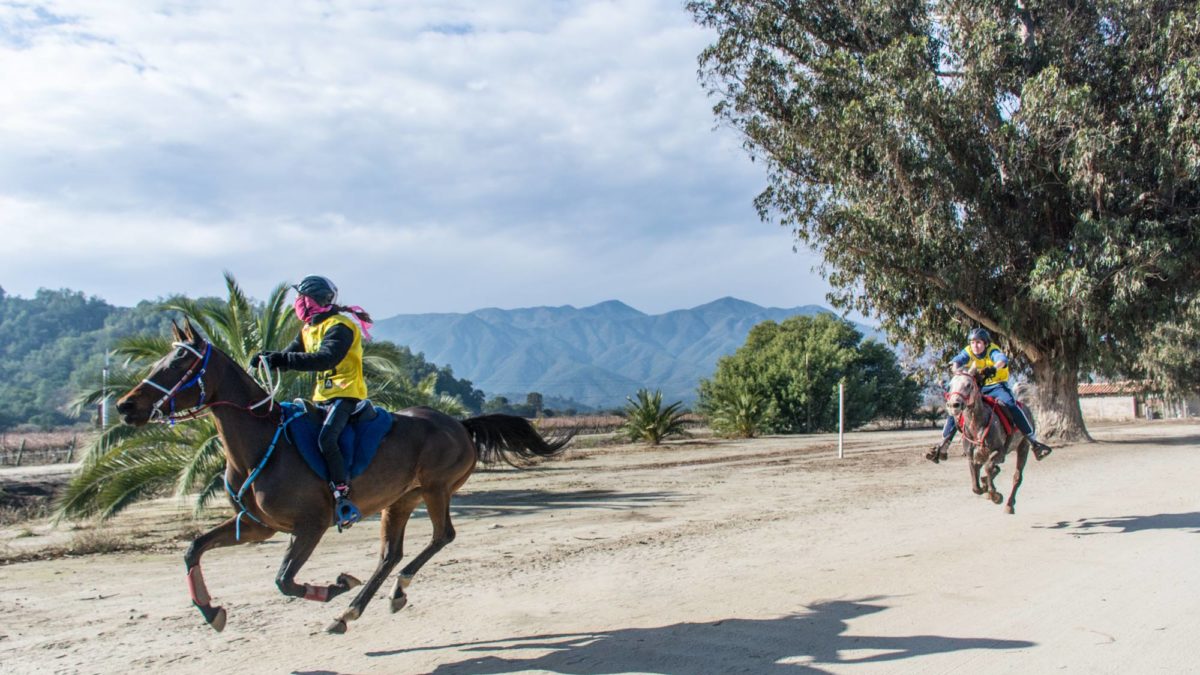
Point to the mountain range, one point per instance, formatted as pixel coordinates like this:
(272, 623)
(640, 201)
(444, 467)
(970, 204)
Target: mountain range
(595, 355)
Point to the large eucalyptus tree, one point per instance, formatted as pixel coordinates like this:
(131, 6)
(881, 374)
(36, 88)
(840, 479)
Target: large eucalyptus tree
(1030, 166)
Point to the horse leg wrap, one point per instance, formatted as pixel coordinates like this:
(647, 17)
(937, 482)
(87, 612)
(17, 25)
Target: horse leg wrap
(318, 593)
(196, 587)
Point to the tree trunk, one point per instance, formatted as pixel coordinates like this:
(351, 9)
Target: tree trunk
(1056, 408)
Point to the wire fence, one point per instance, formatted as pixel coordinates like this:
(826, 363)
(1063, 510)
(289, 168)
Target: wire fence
(39, 447)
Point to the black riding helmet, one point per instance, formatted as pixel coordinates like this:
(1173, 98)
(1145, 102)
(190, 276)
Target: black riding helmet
(980, 334)
(320, 289)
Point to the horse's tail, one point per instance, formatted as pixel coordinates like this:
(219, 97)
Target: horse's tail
(511, 439)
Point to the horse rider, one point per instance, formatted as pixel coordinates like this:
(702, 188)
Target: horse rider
(329, 344)
(987, 358)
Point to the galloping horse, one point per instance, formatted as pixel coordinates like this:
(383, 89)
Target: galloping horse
(984, 439)
(425, 457)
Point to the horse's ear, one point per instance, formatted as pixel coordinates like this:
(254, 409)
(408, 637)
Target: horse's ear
(176, 332)
(188, 331)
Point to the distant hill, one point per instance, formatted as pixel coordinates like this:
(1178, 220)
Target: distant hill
(596, 355)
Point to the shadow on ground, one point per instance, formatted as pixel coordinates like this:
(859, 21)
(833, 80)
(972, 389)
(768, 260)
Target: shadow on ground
(1187, 522)
(797, 643)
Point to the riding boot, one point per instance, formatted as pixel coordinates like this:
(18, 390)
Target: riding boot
(938, 453)
(1040, 450)
(345, 513)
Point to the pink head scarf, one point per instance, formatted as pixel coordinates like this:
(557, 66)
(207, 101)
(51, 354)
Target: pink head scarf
(307, 308)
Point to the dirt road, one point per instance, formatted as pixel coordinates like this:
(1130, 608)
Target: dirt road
(768, 556)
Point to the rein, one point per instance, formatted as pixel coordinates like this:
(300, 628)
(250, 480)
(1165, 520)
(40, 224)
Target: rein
(192, 378)
(241, 492)
(969, 401)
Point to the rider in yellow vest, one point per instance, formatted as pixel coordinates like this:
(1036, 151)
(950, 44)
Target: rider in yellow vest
(986, 356)
(331, 345)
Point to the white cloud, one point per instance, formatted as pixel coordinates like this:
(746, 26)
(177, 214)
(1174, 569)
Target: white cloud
(483, 153)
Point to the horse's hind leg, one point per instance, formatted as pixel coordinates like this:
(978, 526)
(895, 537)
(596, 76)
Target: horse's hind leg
(225, 534)
(394, 519)
(1018, 476)
(437, 503)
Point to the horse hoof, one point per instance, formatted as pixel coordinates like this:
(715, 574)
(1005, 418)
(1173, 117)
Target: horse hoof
(399, 603)
(338, 627)
(347, 581)
(218, 620)
(997, 497)
(1009, 510)
(977, 490)
(351, 614)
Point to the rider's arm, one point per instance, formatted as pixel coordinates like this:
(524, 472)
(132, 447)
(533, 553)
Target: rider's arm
(999, 358)
(959, 362)
(334, 347)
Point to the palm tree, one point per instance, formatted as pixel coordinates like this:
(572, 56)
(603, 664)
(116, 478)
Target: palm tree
(125, 464)
(646, 419)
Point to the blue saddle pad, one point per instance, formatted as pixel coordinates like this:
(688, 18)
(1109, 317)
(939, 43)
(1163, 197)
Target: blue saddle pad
(358, 441)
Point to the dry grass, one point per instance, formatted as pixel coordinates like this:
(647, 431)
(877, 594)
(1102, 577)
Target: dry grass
(26, 512)
(42, 447)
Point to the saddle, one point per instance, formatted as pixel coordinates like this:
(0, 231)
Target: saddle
(1001, 411)
(358, 441)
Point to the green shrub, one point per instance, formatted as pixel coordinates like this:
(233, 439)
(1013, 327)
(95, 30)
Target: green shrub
(647, 420)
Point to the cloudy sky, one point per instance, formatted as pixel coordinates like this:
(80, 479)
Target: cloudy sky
(427, 156)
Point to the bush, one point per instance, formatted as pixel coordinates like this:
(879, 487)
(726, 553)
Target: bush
(647, 420)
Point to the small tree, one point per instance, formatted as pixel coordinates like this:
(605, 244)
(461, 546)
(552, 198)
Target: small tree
(646, 419)
(797, 364)
(737, 410)
(535, 401)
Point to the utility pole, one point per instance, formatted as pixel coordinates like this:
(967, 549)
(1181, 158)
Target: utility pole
(104, 394)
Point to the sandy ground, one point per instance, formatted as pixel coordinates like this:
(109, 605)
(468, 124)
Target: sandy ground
(766, 556)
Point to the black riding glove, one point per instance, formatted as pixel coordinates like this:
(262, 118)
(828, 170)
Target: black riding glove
(988, 373)
(274, 360)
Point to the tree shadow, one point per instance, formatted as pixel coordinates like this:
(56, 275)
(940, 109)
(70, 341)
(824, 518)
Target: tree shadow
(490, 503)
(797, 643)
(1187, 522)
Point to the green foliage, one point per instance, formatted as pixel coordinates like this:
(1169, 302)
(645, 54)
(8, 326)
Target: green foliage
(1033, 168)
(738, 410)
(49, 343)
(126, 464)
(646, 419)
(785, 379)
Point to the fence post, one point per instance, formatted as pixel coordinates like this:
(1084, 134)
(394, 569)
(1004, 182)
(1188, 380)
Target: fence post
(71, 448)
(841, 417)
(20, 451)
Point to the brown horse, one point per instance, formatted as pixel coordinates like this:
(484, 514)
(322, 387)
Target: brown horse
(425, 457)
(984, 440)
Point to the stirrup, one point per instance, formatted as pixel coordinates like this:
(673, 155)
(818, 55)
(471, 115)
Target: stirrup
(1040, 450)
(345, 513)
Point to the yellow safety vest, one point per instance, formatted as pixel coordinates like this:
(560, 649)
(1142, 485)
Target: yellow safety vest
(981, 362)
(346, 378)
